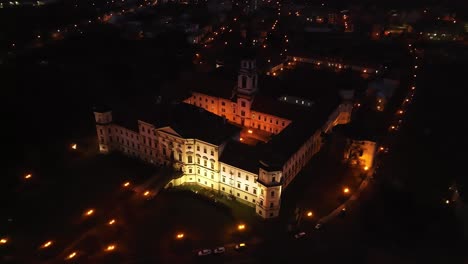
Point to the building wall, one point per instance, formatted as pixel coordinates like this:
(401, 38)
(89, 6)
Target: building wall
(239, 183)
(268, 123)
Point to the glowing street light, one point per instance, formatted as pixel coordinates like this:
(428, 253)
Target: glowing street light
(3, 240)
(240, 227)
(179, 236)
(366, 168)
(47, 244)
(89, 212)
(28, 176)
(146, 193)
(346, 190)
(447, 201)
(74, 146)
(111, 222)
(250, 131)
(72, 255)
(126, 184)
(309, 214)
(110, 247)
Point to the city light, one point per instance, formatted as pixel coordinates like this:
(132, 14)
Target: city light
(126, 184)
(111, 222)
(146, 193)
(309, 214)
(47, 244)
(346, 190)
(72, 255)
(74, 146)
(366, 168)
(28, 176)
(89, 212)
(250, 131)
(3, 240)
(241, 227)
(180, 236)
(110, 247)
(447, 201)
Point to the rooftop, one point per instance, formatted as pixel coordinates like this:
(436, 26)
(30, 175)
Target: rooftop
(187, 120)
(241, 155)
(282, 146)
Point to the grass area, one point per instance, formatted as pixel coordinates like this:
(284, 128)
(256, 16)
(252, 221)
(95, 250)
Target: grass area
(55, 198)
(319, 186)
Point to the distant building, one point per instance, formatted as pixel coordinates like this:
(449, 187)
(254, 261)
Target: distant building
(202, 137)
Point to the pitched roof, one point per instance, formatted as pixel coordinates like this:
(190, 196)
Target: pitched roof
(241, 155)
(272, 106)
(278, 150)
(187, 120)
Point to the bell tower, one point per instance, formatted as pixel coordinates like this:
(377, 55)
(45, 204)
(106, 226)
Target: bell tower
(248, 78)
(246, 90)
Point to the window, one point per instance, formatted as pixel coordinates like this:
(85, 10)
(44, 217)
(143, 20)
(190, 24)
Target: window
(204, 150)
(271, 120)
(224, 179)
(180, 157)
(254, 191)
(282, 123)
(224, 169)
(212, 101)
(238, 174)
(273, 179)
(223, 110)
(238, 185)
(223, 103)
(242, 113)
(261, 202)
(204, 174)
(198, 171)
(261, 191)
(142, 129)
(100, 131)
(245, 197)
(271, 205)
(205, 163)
(272, 194)
(222, 188)
(198, 148)
(212, 153)
(244, 82)
(190, 170)
(238, 194)
(243, 103)
(198, 160)
(246, 177)
(212, 165)
(246, 188)
(253, 200)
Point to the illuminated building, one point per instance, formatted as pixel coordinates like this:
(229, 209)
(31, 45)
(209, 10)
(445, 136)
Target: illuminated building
(201, 137)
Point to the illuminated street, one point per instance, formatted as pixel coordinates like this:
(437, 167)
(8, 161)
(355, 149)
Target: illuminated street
(221, 131)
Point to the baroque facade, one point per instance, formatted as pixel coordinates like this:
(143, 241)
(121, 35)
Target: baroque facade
(201, 137)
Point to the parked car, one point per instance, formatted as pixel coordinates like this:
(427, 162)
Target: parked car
(240, 246)
(219, 250)
(204, 252)
(299, 235)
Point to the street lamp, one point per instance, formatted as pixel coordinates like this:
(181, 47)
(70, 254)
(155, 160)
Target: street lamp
(346, 190)
(309, 214)
(240, 227)
(111, 222)
(3, 240)
(179, 236)
(72, 255)
(47, 244)
(28, 176)
(126, 184)
(89, 212)
(74, 146)
(110, 247)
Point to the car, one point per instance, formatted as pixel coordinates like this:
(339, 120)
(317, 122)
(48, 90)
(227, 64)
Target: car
(219, 250)
(240, 246)
(318, 226)
(204, 252)
(299, 235)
